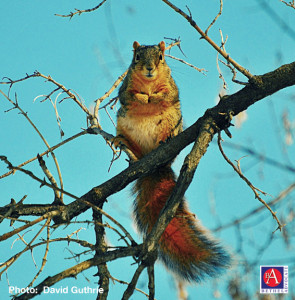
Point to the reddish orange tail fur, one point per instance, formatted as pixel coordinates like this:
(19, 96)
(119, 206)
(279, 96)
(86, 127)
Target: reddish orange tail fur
(185, 246)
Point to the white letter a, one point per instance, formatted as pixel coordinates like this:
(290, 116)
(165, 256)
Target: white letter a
(272, 274)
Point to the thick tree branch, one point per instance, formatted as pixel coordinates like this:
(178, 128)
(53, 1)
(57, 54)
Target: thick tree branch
(187, 172)
(230, 105)
(75, 270)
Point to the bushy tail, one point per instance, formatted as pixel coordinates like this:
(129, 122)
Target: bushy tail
(185, 246)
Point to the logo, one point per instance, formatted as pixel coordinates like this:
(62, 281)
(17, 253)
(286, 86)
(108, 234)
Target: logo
(273, 279)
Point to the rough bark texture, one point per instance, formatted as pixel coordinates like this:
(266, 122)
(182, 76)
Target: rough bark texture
(258, 88)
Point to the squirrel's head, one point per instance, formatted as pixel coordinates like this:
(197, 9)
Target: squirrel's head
(148, 60)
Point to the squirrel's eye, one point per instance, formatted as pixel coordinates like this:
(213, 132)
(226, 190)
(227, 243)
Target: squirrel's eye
(161, 57)
(136, 57)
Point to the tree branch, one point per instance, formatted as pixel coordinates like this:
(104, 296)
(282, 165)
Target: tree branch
(255, 190)
(264, 86)
(75, 270)
(80, 11)
(209, 40)
(261, 87)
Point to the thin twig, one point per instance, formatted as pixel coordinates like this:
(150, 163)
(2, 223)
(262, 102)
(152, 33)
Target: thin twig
(50, 79)
(253, 212)
(16, 105)
(233, 72)
(188, 64)
(48, 175)
(108, 138)
(290, 4)
(125, 282)
(122, 237)
(265, 159)
(47, 151)
(44, 260)
(10, 261)
(224, 84)
(222, 46)
(78, 268)
(176, 42)
(127, 234)
(67, 91)
(112, 101)
(209, 40)
(217, 16)
(13, 219)
(253, 188)
(31, 174)
(58, 118)
(79, 11)
(108, 93)
(106, 110)
(20, 237)
(9, 234)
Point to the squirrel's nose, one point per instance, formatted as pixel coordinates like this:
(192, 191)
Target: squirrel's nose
(149, 69)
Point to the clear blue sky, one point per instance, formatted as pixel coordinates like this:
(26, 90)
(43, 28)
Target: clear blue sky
(87, 54)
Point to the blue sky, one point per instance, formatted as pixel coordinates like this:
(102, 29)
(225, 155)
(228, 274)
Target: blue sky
(87, 54)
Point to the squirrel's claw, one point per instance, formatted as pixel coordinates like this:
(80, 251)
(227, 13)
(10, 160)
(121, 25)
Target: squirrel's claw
(118, 141)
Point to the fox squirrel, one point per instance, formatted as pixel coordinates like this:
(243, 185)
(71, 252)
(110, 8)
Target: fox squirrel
(150, 114)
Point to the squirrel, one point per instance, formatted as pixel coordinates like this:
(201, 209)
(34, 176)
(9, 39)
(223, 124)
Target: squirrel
(149, 115)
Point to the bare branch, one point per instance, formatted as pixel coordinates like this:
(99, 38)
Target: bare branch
(79, 11)
(127, 283)
(203, 139)
(253, 212)
(290, 3)
(217, 16)
(44, 260)
(253, 188)
(58, 118)
(16, 105)
(31, 174)
(268, 84)
(48, 215)
(131, 286)
(209, 40)
(9, 262)
(127, 234)
(49, 176)
(260, 156)
(188, 64)
(151, 274)
(108, 93)
(70, 94)
(75, 270)
(223, 42)
(47, 151)
(175, 42)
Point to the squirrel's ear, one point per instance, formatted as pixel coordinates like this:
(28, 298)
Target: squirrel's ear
(135, 45)
(162, 46)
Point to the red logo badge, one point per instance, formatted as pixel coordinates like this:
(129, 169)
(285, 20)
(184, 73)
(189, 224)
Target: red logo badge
(273, 279)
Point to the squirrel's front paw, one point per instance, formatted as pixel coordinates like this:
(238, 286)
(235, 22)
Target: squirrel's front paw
(141, 97)
(155, 98)
(118, 141)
